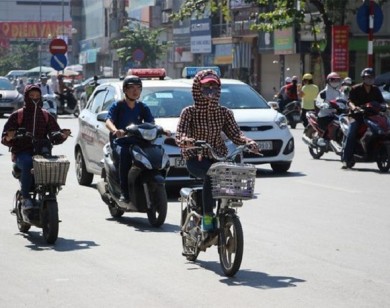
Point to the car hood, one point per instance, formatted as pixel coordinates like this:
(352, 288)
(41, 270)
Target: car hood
(245, 116)
(255, 115)
(167, 123)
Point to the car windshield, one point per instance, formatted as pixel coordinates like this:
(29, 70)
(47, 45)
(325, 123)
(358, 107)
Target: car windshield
(5, 85)
(166, 102)
(239, 96)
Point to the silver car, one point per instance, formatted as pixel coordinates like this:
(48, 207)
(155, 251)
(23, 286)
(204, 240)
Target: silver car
(10, 99)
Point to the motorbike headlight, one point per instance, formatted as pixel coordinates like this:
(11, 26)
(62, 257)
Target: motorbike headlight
(281, 121)
(142, 159)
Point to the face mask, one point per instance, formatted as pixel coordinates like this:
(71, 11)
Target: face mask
(368, 81)
(334, 84)
(210, 92)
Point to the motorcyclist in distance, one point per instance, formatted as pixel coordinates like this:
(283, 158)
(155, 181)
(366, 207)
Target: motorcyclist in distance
(330, 92)
(360, 94)
(281, 96)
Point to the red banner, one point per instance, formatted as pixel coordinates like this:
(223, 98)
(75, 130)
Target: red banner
(340, 50)
(34, 29)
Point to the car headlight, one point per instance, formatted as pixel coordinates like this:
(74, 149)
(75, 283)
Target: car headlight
(281, 121)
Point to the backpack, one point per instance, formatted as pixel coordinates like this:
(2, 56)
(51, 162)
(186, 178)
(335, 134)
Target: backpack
(20, 116)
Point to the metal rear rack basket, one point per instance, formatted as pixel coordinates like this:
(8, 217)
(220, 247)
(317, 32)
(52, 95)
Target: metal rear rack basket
(231, 180)
(50, 170)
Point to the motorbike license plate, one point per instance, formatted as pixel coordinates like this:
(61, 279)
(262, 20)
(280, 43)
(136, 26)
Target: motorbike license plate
(296, 117)
(180, 162)
(265, 145)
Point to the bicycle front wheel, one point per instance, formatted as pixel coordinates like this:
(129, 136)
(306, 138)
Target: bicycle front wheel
(231, 245)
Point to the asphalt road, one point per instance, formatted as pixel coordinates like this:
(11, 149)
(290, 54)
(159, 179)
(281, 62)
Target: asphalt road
(318, 236)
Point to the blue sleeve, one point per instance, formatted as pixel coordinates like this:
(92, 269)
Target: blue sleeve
(112, 112)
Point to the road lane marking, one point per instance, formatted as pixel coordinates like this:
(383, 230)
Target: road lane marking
(329, 187)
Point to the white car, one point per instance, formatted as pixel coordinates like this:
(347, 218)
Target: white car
(257, 120)
(166, 99)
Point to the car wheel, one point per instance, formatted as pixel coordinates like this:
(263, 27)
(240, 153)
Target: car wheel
(83, 176)
(281, 167)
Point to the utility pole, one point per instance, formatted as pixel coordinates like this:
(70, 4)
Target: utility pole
(370, 48)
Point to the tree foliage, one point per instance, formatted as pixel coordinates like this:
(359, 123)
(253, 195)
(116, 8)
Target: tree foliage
(23, 56)
(142, 38)
(279, 14)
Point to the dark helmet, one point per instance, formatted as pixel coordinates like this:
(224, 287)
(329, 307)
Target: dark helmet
(367, 72)
(131, 79)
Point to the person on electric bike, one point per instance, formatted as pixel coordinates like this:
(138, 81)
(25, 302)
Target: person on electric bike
(360, 94)
(206, 120)
(330, 92)
(308, 93)
(121, 114)
(41, 127)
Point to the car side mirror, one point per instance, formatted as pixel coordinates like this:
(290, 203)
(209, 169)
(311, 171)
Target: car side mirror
(102, 116)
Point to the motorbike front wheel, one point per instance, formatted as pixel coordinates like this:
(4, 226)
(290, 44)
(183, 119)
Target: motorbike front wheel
(315, 151)
(50, 221)
(383, 160)
(231, 245)
(159, 199)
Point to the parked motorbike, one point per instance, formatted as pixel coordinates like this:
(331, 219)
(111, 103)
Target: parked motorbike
(373, 136)
(232, 183)
(333, 135)
(50, 104)
(49, 176)
(67, 104)
(148, 172)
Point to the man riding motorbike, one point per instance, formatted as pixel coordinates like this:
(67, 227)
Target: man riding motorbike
(359, 95)
(121, 114)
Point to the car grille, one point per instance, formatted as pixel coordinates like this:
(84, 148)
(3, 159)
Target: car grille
(260, 128)
(276, 148)
(6, 100)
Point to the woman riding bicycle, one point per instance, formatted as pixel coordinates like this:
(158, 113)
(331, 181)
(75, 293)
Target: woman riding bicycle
(207, 120)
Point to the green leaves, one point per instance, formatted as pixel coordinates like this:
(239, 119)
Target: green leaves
(142, 38)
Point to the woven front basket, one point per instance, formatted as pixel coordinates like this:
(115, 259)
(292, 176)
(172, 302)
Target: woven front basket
(50, 170)
(231, 180)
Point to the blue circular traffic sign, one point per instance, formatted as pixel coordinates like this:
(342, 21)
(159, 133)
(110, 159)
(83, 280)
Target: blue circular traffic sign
(138, 55)
(363, 14)
(58, 62)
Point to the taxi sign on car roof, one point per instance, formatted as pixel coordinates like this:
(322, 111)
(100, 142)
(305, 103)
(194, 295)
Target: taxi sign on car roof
(190, 71)
(147, 72)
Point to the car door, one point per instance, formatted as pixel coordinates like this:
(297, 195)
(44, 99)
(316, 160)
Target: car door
(102, 133)
(89, 126)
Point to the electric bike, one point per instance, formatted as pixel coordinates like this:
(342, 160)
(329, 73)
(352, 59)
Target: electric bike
(232, 183)
(49, 175)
